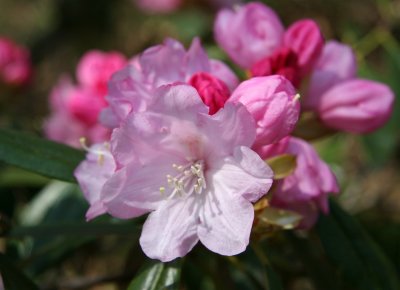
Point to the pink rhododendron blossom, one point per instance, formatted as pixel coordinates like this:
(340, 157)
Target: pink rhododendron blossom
(261, 44)
(15, 64)
(307, 189)
(343, 101)
(336, 64)
(248, 33)
(357, 106)
(68, 126)
(274, 105)
(80, 105)
(193, 172)
(96, 67)
(92, 173)
(131, 89)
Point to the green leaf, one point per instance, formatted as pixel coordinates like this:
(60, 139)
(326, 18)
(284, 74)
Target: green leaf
(155, 275)
(274, 282)
(13, 278)
(361, 262)
(282, 165)
(39, 155)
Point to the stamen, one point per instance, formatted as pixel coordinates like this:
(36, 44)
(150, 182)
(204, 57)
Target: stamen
(190, 179)
(296, 97)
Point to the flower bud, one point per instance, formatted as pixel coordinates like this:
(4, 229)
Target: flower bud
(85, 105)
(304, 38)
(248, 33)
(96, 67)
(212, 91)
(274, 105)
(15, 66)
(336, 64)
(357, 106)
(308, 186)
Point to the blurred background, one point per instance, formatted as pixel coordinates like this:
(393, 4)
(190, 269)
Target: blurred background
(59, 32)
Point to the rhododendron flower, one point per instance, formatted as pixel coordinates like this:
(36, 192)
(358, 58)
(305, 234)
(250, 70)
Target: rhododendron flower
(92, 173)
(75, 109)
(274, 105)
(96, 67)
(193, 172)
(248, 33)
(131, 89)
(73, 115)
(307, 189)
(261, 44)
(15, 64)
(343, 101)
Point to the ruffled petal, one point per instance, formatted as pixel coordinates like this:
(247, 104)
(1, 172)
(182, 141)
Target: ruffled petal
(170, 231)
(230, 127)
(226, 221)
(243, 174)
(135, 189)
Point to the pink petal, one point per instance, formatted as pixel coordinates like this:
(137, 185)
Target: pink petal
(248, 33)
(305, 39)
(244, 174)
(135, 189)
(358, 106)
(336, 64)
(162, 64)
(230, 127)
(170, 231)
(224, 73)
(226, 221)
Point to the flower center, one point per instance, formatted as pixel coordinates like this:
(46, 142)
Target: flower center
(189, 179)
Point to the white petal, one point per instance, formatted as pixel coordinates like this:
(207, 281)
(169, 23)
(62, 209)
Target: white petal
(170, 231)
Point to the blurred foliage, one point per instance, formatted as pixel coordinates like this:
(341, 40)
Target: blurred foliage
(42, 222)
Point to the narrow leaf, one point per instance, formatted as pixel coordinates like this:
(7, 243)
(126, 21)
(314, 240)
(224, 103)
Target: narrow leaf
(39, 155)
(155, 275)
(13, 278)
(361, 261)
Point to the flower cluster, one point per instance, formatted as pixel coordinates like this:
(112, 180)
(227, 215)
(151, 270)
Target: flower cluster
(189, 141)
(15, 64)
(79, 105)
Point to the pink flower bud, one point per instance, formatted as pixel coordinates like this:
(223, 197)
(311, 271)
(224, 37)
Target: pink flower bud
(212, 91)
(85, 105)
(274, 149)
(15, 66)
(304, 38)
(306, 190)
(357, 106)
(283, 62)
(96, 67)
(336, 64)
(248, 33)
(273, 104)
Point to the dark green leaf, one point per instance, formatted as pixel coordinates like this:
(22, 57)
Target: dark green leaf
(39, 155)
(13, 278)
(360, 260)
(155, 275)
(274, 282)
